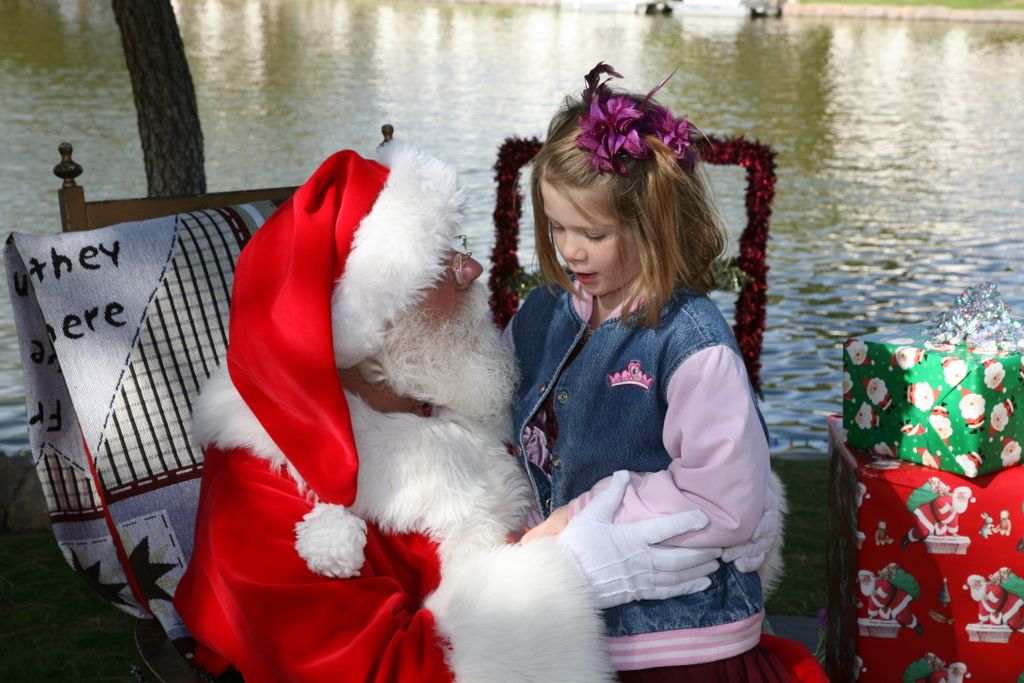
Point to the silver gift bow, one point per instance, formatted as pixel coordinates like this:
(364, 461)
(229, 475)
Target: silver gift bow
(981, 318)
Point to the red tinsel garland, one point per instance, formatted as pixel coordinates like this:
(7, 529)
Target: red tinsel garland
(759, 162)
(508, 209)
(756, 158)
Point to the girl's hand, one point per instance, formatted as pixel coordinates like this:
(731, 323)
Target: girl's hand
(552, 526)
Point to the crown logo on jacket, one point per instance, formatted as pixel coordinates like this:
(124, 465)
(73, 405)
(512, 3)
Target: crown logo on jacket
(631, 375)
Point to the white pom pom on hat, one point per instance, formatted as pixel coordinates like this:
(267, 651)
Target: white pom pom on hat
(330, 538)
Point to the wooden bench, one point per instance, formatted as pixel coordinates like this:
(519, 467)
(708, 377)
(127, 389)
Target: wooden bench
(78, 214)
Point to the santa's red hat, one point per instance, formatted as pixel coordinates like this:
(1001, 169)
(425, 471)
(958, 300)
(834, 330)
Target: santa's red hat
(315, 290)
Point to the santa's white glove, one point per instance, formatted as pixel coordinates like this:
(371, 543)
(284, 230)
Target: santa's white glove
(749, 556)
(623, 562)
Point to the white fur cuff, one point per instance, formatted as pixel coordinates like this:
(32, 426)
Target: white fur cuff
(520, 613)
(330, 538)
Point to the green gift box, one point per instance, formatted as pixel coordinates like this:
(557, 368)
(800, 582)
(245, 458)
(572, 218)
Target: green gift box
(952, 407)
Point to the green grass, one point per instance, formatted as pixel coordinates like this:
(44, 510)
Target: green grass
(952, 4)
(802, 590)
(54, 628)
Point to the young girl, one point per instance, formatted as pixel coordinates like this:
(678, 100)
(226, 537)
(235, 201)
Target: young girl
(631, 369)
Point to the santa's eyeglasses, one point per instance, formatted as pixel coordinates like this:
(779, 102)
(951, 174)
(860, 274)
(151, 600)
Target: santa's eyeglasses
(455, 263)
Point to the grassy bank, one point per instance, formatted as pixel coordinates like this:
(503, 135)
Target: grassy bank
(802, 590)
(951, 4)
(54, 628)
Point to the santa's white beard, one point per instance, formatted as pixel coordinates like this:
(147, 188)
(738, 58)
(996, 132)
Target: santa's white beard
(460, 364)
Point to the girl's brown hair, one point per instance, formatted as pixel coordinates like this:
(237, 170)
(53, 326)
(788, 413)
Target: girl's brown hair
(667, 215)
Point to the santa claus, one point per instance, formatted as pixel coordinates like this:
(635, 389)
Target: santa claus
(890, 594)
(1000, 598)
(936, 508)
(403, 489)
(357, 498)
(931, 669)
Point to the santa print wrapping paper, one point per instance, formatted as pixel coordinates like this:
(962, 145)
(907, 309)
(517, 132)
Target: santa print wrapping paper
(953, 408)
(933, 585)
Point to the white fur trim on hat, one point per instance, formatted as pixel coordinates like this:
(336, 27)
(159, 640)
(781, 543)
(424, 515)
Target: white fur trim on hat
(397, 250)
(331, 540)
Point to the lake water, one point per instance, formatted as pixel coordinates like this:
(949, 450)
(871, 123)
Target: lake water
(900, 144)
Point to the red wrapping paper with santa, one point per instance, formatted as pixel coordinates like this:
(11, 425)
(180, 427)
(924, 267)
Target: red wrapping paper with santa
(939, 566)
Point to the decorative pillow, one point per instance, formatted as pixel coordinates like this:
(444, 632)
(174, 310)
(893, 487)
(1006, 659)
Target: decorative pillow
(118, 328)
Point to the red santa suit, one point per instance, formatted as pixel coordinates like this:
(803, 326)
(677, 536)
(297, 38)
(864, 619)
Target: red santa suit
(939, 517)
(890, 602)
(1001, 607)
(936, 512)
(251, 601)
(335, 543)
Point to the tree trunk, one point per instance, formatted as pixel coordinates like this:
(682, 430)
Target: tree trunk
(172, 139)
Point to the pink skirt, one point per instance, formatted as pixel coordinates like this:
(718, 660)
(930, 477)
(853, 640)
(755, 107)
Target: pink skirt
(773, 660)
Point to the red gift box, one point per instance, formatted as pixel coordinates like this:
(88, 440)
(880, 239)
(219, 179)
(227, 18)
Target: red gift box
(926, 571)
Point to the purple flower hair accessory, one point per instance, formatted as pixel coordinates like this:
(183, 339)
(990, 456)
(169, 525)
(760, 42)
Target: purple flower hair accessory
(613, 125)
(675, 133)
(610, 127)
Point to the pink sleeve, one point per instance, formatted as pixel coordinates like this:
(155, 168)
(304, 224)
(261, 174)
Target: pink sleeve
(506, 335)
(719, 454)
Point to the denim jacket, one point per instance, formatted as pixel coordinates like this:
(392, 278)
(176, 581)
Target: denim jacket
(610, 405)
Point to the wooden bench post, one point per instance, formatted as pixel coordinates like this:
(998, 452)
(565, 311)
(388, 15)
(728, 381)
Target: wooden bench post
(71, 195)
